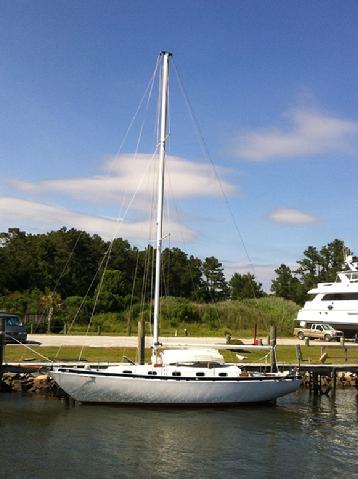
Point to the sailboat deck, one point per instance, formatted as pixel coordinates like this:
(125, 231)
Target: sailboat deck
(177, 373)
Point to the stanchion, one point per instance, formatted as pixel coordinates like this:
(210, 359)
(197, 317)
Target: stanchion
(273, 346)
(141, 342)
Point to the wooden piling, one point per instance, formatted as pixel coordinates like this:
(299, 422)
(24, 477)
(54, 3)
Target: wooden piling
(316, 384)
(334, 381)
(299, 355)
(141, 341)
(2, 347)
(255, 333)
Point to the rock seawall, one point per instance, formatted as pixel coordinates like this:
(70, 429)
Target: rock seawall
(30, 383)
(344, 379)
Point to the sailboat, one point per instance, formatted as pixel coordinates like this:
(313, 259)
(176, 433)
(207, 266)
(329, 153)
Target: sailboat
(191, 376)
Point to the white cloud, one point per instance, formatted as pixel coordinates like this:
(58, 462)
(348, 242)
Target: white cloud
(128, 184)
(292, 216)
(311, 133)
(127, 175)
(46, 217)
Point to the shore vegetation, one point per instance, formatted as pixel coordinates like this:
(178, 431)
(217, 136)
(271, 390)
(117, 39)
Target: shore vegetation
(68, 281)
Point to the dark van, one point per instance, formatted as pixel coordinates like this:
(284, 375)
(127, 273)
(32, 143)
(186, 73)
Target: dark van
(15, 331)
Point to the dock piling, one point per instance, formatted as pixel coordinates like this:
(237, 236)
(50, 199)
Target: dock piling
(299, 355)
(2, 347)
(334, 381)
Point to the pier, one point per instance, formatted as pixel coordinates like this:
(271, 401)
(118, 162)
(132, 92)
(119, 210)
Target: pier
(319, 378)
(333, 365)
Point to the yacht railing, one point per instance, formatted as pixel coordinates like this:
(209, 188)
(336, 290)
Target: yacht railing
(351, 276)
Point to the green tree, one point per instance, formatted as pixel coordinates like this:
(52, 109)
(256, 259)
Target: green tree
(317, 265)
(321, 265)
(181, 275)
(124, 258)
(65, 261)
(245, 286)
(50, 302)
(215, 287)
(287, 285)
(111, 291)
(19, 260)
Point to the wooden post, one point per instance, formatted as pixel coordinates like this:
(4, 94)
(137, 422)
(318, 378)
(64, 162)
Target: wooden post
(316, 385)
(141, 341)
(2, 347)
(334, 381)
(299, 355)
(273, 350)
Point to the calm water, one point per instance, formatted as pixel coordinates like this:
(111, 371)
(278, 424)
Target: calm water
(301, 437)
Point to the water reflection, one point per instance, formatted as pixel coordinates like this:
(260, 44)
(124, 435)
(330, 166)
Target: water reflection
(303, 434)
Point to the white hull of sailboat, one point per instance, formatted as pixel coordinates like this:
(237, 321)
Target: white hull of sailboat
(91, 387)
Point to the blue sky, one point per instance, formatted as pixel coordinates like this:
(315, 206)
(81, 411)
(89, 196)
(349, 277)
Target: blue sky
(272, 83)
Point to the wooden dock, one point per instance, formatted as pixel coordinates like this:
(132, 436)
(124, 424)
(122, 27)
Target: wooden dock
(320, 377)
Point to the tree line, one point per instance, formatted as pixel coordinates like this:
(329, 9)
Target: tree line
(68, 269)
(66, 265)
(316, 266)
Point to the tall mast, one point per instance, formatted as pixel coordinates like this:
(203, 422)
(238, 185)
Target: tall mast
(162, 144)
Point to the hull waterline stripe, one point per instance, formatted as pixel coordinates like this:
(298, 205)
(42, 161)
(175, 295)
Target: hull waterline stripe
(178, 378)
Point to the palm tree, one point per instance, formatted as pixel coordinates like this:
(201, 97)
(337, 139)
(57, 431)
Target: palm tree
(50, 301)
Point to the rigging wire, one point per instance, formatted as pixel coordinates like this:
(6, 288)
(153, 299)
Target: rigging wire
(68, 260)
(146, 92)
(108, 253)
(207, 155)
(61, 275)
(28, 347)
(121, 216)
(83, 301)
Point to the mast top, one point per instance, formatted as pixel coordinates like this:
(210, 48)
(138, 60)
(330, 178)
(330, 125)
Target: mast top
(164, 52)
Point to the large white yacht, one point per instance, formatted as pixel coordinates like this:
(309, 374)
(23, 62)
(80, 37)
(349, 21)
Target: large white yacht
(335, 303)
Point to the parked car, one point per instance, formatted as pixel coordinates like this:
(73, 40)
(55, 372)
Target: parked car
(319, 331)
(15, 331)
